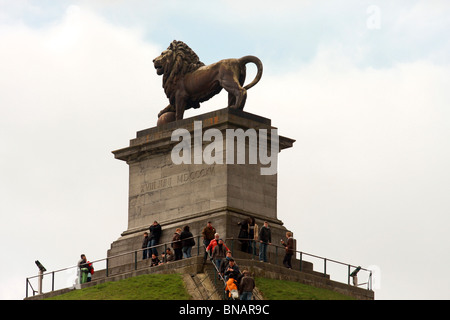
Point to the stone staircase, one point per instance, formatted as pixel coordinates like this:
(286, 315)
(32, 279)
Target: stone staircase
(218, 284)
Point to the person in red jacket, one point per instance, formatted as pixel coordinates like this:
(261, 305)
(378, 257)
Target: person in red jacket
(214, 243)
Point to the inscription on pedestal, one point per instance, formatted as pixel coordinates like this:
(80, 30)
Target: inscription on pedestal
(176, 180)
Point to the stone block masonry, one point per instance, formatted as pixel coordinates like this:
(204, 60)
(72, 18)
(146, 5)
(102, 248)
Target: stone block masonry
(191, 194)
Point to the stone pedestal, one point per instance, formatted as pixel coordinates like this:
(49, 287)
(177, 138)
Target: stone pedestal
(176, 195)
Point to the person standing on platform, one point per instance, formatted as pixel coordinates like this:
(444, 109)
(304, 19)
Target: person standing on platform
(253, 234)
(144, 246)
(83, 269)
(289, 246)
(176, 244)
(208, 234)
(265, 239)
(187, 242)
(155, 234)
(243, 234)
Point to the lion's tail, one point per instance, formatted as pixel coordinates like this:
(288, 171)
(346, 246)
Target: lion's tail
(259, 66)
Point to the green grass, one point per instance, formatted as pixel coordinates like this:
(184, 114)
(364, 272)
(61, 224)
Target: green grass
(288, 290)
(144, 287)
(171, 287)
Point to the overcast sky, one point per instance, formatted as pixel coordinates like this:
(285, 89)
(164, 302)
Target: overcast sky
(363, 88)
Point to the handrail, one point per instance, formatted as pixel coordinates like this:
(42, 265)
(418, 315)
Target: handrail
(116, 256)
(135, 252)
(369, 282)
(297, 251)
(254, 292)
(29, 284)
(216, 270)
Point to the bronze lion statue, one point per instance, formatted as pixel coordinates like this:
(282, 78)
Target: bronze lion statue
(187, 81)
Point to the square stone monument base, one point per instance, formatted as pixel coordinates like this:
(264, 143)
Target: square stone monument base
(192, 194)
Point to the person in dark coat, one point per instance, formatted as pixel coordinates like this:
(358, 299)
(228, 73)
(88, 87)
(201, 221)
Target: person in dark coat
(219, 253)
(155, 234)
(208, 235)
(265, 239)
(253, 234)
(155, 261)
(246, 286)
(187, 242)
(289, 246)
(176, 244)
(225, 262)
(144, 246)
(232, 268)
(243, 234)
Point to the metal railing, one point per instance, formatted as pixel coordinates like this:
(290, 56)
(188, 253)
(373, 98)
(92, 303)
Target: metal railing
(134, 259)
(274, 255)
(217, 273)
(278, 251)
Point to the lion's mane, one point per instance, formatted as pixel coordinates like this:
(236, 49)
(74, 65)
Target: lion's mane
(183, 60)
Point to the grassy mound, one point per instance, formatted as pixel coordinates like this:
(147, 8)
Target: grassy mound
(171, 287)
(273, 289)
(144, 287)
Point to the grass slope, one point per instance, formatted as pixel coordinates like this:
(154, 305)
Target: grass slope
(144, 287)
(171, 287)
(273, 289)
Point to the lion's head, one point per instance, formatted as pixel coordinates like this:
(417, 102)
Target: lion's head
(175, 62)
